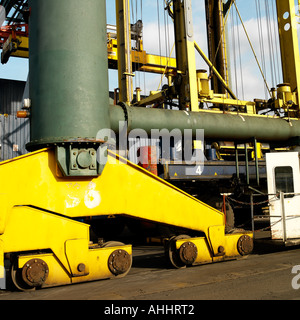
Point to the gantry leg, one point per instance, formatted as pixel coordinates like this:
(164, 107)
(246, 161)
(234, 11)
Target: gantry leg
(40, 210)
(48, 250)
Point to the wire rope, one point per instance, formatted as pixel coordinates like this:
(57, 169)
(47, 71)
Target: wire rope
(220, 41)
(144, 72)
(234, 51)
(261, 41)
(276, 43)
(240, 58)
(271, 57)
(159, 34)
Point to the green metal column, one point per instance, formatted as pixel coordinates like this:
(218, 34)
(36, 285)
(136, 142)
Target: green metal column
(124, 51)
(68, 71)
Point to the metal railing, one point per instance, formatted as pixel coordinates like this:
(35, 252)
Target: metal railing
(280, 196)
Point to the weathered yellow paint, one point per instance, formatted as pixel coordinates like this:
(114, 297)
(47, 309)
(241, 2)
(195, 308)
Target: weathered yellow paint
(148, 62)
(22, 44)
(193, 87)
(217, 238)
(123, 188)
(205, 254)
(38, 207)
(5, 207)
(96, 263)
(57, 274)
(77, 253)
(2, 270)
(30, 229)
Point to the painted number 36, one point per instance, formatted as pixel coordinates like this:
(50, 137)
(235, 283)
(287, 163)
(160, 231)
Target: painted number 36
(296, 279)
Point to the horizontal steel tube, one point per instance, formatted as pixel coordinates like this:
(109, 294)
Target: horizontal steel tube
(216, 126)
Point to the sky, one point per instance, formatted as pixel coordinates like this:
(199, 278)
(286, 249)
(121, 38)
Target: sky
(246, 80)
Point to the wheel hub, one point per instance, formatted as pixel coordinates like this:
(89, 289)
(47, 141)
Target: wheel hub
(188, 253)
(245, 245)
(35, 272)
(119, 262)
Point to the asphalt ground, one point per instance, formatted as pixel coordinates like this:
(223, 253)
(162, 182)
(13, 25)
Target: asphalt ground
(267, 274)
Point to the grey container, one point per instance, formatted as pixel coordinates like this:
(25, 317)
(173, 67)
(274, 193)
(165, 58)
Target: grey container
(15, 133)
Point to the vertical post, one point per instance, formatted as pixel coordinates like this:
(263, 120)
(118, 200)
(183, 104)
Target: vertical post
(2, 268)
(237, 161)
(217, 41)
(256, 162)
(2, 274)
(247, 164)
(124, 51)
(289, 43)
(224, 208)
(252, 211)
(185, 55)
(284, 236)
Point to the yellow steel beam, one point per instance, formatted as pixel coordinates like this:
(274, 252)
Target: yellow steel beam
(205, 255)
(153, 98)
(94, 197)
(124, 49)
(158, 64)
(141, 60)
(2, 268)
(28, 230)
(217, 43)
(185, 54)
(44, 188)
(289, 43)
(214, 70)
(38, 208)
(17, 47)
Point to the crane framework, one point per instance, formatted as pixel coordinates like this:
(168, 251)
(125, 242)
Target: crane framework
(71, 176)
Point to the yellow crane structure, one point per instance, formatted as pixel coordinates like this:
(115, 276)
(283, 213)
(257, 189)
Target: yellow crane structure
(73, 178)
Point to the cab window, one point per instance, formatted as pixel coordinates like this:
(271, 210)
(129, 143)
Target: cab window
(284, 180)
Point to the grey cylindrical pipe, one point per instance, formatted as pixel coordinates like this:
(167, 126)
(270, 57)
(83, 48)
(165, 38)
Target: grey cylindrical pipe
(68, 70)
(216, 126)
